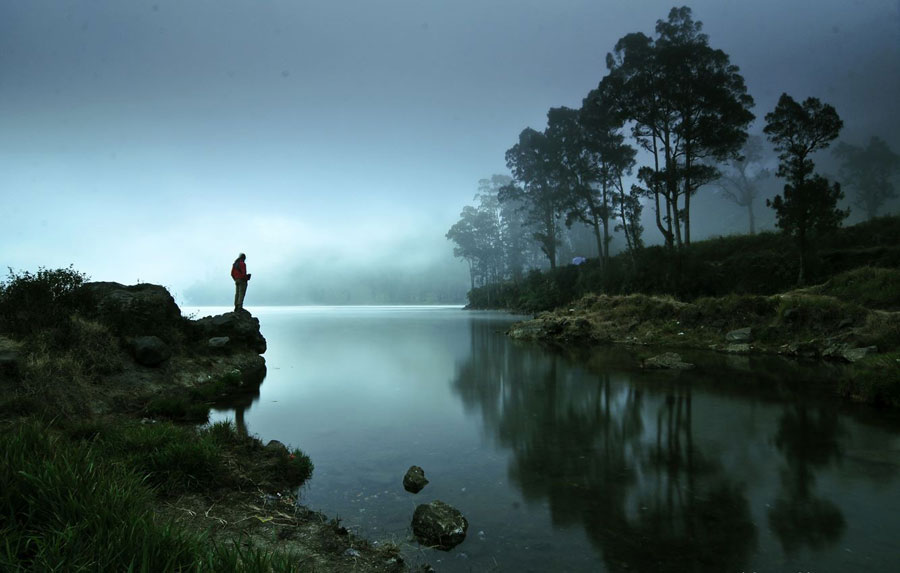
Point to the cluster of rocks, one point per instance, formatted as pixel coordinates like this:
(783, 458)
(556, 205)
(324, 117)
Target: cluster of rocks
(436, 524)
(152, 324)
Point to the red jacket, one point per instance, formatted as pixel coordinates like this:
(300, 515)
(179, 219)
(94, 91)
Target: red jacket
(239, 270)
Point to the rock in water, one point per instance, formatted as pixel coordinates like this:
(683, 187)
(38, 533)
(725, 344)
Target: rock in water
(667, 361)
(414, 480)
(439, 525)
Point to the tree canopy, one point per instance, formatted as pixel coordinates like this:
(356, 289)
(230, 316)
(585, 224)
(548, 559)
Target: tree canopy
(809, 203)
(686, 102)
(868, 171)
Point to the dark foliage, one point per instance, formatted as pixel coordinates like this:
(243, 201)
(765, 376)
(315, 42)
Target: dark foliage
(32, 302)
(763, 264)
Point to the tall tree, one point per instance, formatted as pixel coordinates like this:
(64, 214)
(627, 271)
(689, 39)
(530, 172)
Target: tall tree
(868, 172)
(740, 181)
(535, 166)
(578, 174)
(614, 159)
(516, 251)
(809, 202)
(687, 103)
(476, 237)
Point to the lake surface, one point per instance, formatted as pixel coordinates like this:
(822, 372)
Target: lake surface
(575, 463)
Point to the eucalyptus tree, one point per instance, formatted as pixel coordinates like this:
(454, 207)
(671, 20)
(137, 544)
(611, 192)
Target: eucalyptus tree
(741, 179)
(476, 235)
(868, 171)
(578, 175)
(809, 202)
(614, 159)
(537, 186)
(515, 250)
(686, 104)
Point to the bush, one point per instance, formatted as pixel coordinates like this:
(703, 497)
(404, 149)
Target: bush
(33, 302)
(870, 287)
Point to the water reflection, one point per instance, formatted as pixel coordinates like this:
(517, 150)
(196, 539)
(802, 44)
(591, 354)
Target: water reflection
(576, 463)
(808, 439)
(238, 403)
(622, 464)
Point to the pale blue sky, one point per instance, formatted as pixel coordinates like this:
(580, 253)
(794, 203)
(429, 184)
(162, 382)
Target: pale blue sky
(155, 140)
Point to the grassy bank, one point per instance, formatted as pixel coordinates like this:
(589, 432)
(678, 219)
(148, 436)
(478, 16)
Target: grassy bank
(842, 320)
(762, 264)
(84, 496)
(106, 463)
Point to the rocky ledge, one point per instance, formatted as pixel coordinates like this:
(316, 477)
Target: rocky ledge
(163, 350)
(792, 324)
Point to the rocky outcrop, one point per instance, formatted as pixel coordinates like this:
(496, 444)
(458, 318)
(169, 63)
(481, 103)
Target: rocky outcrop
(439, 525)
(240, 327)
(414, 480)
(135, 307)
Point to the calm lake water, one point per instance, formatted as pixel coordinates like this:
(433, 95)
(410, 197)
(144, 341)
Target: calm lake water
(575, 463)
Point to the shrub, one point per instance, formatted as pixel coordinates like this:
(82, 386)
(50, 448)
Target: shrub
(867, 286)
(30, 302)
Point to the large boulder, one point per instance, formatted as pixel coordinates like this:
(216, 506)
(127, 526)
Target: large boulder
(241, 328)
(150, 350)
(414, 480)
(136, 310)
(439, 525)
(142, 298)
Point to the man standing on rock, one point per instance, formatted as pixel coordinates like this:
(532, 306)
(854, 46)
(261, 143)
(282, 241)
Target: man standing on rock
(241, 276)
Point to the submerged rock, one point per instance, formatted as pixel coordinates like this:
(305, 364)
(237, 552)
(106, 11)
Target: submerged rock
(667, 361)
(414, 480)
(439, 525)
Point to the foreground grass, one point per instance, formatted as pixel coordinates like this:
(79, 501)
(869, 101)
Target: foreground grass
(81, 497)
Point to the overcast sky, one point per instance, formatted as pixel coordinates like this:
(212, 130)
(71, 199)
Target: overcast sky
(155, 140)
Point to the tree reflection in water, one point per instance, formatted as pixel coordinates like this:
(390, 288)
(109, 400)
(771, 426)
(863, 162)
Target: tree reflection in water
(617, 460)
(808, 439)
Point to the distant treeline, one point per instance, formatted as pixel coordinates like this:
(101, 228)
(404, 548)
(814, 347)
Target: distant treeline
(686, 109)
(766, 263)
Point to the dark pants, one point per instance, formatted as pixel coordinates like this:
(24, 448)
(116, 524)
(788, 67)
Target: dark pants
(240, 289)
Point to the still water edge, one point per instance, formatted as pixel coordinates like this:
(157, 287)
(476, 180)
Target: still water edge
(582, 463)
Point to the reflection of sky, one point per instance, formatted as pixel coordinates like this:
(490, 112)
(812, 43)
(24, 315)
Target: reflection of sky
(369, 392)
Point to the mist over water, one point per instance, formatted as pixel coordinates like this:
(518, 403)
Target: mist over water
(575, 464)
